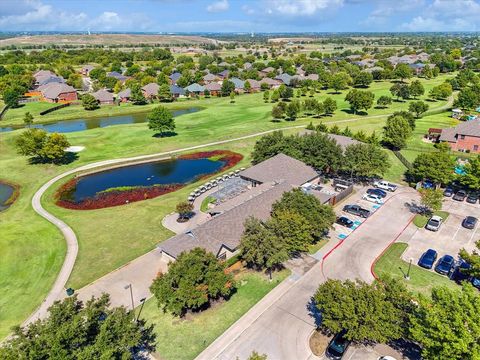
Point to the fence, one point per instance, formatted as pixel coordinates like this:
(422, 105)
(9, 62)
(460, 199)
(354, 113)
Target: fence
(403, 160)
(341, 195)
(28, 100)
(44, 112)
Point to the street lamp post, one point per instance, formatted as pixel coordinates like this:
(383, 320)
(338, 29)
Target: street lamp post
(131, 294)
(407, 277)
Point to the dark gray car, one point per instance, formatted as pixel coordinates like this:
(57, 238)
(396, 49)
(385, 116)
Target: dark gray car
(469, 222)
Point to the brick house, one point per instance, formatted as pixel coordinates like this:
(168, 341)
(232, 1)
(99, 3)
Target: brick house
(58, 92)
(464, 137)
(103, 97)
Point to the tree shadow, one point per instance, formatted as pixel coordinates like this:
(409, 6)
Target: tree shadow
(314, 312)
(276, 120)
(408, 349)
(165, 134)
(68, 158)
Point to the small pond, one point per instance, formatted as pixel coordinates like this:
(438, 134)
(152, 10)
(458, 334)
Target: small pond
(66, 126)
(126, 184)
(6, 195)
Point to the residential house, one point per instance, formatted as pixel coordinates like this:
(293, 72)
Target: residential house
(209, 78)
(223, 64)
(264, 73)
(44, 77)
(58, 92)
(284, 78)
(117, 76)
(213, 88)
(150, 90)
(417, 68)
(239, 85)
(224, 74)
(272, 84)
(247, 66)
(174, 78)
(124, 95)
(85, 71)
(177, 91)
(103, 97)
(195, 89)
(254, 85)
(464, 137)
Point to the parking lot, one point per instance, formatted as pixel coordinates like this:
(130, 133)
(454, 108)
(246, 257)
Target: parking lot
(451, 236)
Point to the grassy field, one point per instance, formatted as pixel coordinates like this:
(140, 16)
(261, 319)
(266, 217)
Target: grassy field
(185, 339)
(421, 220)
(34, 249)
(421, 280)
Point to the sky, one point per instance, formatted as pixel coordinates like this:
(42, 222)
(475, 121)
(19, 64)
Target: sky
(240, 15)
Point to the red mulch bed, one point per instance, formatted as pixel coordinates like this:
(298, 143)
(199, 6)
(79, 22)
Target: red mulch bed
(122, 197)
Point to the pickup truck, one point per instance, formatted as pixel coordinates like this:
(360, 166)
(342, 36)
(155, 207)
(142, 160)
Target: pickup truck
(385, 185)
(356, 210)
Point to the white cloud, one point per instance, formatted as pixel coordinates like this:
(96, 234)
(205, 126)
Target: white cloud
(385, 9)
(301, 7)
(39, 16)
(218, 6)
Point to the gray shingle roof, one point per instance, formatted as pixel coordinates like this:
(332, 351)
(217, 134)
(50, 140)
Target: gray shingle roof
(285, 78)
(103, 95)
(177, 90)
(195, 88)
(53, 90)
(239, 84)
(468, 128)
(151, 89)
(225, 229)
(213, 86)
(210, 77)
(280, 167)
(125, 94)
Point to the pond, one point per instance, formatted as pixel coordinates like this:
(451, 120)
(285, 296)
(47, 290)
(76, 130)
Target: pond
(131, 183)
(6, 195)
(66, 126)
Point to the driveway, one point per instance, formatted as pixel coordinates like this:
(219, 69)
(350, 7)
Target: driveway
(280, 324)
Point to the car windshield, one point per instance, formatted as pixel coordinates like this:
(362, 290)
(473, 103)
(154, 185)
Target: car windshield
(338, 346)
(434, 222)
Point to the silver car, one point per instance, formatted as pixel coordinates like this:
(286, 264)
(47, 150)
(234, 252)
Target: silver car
(434, 223)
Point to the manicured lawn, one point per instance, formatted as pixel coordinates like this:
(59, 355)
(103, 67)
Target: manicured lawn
(396, 171)
(312, 249)
(108, 238)
(421, 280)
(184, 339)
(421, 220)
(205, 203)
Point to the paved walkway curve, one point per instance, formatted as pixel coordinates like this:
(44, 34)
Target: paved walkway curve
(56, 291)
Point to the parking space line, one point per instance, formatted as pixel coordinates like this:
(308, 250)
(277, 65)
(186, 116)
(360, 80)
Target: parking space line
(473, 235)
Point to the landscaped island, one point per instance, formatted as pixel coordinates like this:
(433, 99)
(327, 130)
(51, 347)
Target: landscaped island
(132, 183)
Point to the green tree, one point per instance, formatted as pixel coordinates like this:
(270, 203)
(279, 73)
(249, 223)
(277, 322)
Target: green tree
(292, 110)
(164, 94)
(441, 91)
(418, 108)
(363, 79)
(285, 92)
(320, 217)
(400, 90)
(41, 146)
(473, 259)
(53, 149)
(259, 246)
(232, 97)
(74, 330)
(11, 95)
(396, 132)
(340, 81)
(431, 199)
(30, 142)
(319, 108)
(330, 106)
(367, 312)
(257, 356)
(292, 229)
(227, 87)
(467, 99)
(266, 96)
(407, 115)
(277, 112)
(365, 160)
(359, 100)
(384, 101)
(275, 96)
(471, 178)
(136, 95)
(402, 72)
(446, 326)
(195, 279)
(89, 102)
(161, 120)
(28, 119)
(416, 89)
(434, 166)
(184, 209)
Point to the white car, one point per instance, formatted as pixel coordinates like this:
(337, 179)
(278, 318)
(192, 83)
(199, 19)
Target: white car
(386, 358)
(385, 185)
(434, 223)
(373, 198)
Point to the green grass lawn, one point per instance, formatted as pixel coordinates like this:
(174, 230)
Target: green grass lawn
(421, 220)
(421, 280)
(312, 249)
(108, 238)
(184, 339)
(204, 206)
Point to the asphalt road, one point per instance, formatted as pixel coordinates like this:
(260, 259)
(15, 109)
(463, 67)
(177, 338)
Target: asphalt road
(280, 325)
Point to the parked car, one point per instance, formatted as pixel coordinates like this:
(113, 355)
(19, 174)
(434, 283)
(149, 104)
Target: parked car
(428, 259)
(385, 185)
(470, 222)
(445, 265)
(472, 198)
(356, 210)
(337, 347)
(434, 223)
(373, 198)
(476, 282)
(460, 195)
(386, 358)
(457, 274)
(378, 192)
(448, 192)
(344, 221)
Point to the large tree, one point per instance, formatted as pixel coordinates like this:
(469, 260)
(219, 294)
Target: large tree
(359, 100)
(365, 160)
(400, 90)
(418, 108)
(362, 79)
(227, 87)
(431, 199)
(330, 105)
(416, 89)
(402, 72)
(161, 120)
(434, 166)
(471, 178)
(320, 217)
(74, 330)
(89, 102)
(292, 229)
(164, 94)
(195, 279)
(447, 325)
(396, 132)
(473, 259)
(42, 147)
(367, 312)
(320, 152)
(340, 81)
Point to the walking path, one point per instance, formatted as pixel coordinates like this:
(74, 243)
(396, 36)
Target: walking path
(57, 291)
